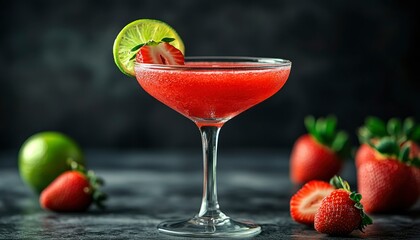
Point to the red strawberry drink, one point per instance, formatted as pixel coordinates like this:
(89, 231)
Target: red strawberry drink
(210, 91)
(207, 90)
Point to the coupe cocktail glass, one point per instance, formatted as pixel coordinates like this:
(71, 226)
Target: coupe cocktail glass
(210, 91)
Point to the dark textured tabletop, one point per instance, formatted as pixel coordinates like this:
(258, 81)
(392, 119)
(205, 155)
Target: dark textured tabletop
(148, 187)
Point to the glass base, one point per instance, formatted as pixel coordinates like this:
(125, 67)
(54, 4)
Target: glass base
(210, 227)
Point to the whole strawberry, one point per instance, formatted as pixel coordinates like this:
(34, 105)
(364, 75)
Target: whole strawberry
(388, 182)
(341, 211)
(318, 155)
(72, 191)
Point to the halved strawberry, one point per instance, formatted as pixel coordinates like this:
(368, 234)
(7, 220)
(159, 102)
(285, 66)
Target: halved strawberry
(160, 53)
(305, 203)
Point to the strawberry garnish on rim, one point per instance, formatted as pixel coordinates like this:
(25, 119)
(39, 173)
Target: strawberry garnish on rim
(158, 53)
(305, 203)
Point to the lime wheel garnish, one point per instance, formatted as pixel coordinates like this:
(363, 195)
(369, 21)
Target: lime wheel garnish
(139, 32)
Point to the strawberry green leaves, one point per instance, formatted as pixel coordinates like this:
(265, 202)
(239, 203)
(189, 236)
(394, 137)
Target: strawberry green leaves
(366, 220)
(167, 39)
(356, 197)
(324, 130)
(387, 146)
(151, 42)
(411, 130)
(376, 126)
(401, 131)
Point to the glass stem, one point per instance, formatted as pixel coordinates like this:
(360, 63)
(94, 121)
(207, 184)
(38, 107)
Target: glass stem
(209, 205)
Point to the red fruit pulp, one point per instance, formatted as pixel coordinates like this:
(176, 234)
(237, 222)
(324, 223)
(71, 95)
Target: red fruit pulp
(163, 53)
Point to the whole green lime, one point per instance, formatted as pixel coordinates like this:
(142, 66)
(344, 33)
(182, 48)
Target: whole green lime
(44, 156)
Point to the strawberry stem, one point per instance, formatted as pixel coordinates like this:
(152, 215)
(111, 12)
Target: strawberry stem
(339, 183)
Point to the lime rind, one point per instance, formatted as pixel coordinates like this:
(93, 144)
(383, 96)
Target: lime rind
(141, 31)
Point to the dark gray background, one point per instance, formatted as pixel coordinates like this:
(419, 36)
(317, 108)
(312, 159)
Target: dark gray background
(350, 58)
